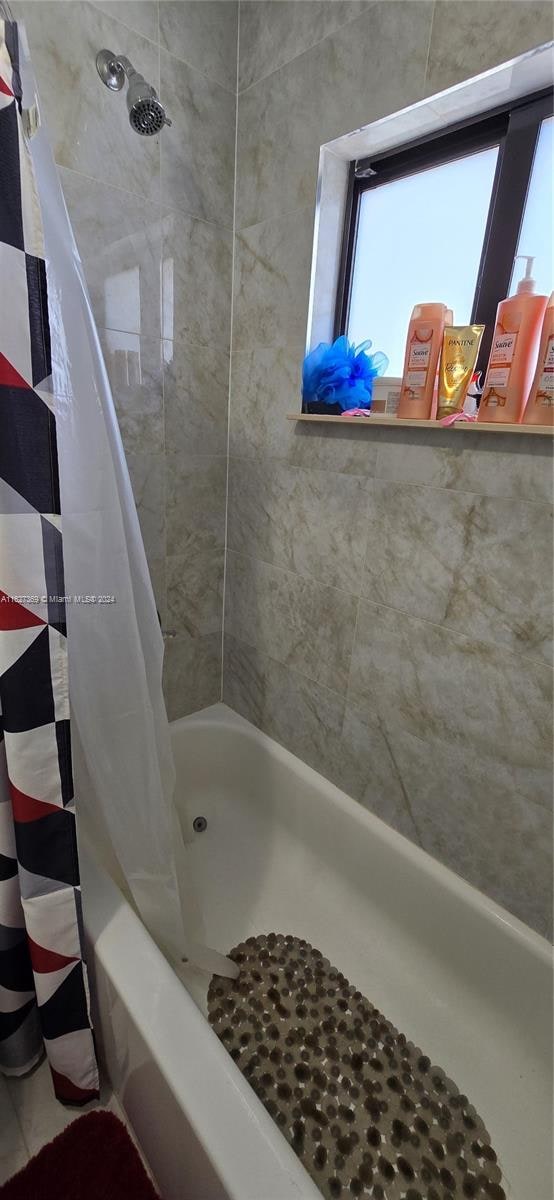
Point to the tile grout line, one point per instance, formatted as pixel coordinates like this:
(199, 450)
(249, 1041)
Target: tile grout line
(8, 1080)
(224, 582)
(280, 216)
(358, 604)
(367, 478)
(158, 45)
(198, 71)
(375, 477)
(308, 49)
(496, 647)
(351, 705)
(398, 773)
(164, 615)
(428, 58)
(165, 209)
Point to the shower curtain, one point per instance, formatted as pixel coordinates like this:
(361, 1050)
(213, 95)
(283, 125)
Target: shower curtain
(78, 627)
(43, 982)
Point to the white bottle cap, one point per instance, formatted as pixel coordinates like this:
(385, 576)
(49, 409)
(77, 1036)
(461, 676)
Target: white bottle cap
(527, 284)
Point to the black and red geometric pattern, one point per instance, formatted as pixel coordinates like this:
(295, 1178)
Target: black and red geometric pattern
(44, 1000)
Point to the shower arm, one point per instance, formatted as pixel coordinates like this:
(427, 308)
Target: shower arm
(125, 65)
(114, 69)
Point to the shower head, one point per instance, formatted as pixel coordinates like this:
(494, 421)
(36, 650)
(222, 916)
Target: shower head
(147, 114)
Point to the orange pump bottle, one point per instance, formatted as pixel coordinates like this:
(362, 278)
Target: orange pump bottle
(513, 352)
(539, 409)
(421, 360)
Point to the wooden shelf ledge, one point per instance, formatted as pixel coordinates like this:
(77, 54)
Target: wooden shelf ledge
(402, 422)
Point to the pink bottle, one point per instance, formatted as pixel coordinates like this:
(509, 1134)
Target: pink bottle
(539, 409)
(513, 352)
(421, 361)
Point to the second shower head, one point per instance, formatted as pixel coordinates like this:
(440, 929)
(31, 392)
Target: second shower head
(147, 114)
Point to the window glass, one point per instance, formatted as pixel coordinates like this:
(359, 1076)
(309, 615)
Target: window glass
(536, 230)
(419, 240)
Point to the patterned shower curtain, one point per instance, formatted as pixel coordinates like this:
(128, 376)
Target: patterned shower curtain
(44, 1002)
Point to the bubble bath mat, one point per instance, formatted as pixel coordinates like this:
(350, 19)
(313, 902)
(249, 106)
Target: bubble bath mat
(365, 1110)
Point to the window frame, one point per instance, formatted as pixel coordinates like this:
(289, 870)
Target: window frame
(515, 129)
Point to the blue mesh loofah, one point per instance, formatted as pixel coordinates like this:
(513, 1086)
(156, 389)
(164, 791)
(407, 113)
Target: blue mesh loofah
(339, 377)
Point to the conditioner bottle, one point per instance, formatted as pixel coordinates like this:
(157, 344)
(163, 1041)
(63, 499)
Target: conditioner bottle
(513, 352)
(539, 409)
(421, 360)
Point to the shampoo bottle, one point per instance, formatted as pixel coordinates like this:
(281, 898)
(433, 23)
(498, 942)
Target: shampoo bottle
(539, 409)
(513, 352)
(421, 360)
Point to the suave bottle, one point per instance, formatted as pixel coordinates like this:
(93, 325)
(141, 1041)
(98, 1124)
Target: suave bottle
(421, 360)
(539, 409)
(513, 352)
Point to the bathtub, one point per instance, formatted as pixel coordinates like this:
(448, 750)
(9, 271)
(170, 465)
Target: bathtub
(286, 851)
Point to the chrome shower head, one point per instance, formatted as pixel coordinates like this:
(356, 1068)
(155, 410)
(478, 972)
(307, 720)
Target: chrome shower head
(147, 114)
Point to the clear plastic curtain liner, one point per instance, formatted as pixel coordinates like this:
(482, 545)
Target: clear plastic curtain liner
(115, 648)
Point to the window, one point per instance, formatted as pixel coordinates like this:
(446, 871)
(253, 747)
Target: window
(442, 219)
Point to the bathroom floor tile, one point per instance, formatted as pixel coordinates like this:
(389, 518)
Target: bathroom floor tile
(40, 1116)
(13, 1151)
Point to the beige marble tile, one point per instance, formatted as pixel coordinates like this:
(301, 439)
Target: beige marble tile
(147, 472)
(475, 564)
(192, 673)
(469, 38)
(157, 568)
(196, 394)
(135, 372)
(273, 34)
(140, 15)
(272, 275)
(299, 713)
(334, 448)
(196, 281)
(195, 586)
(470, 820)
(489, 464)
(198, 149)
(310, 522)
(295, 621)
(83, 116)
(277, 157)
(119, 241)
(204, 34)
(196, 487)
(13, 1151)
(265, 386)
(443, 687)
(364, 767)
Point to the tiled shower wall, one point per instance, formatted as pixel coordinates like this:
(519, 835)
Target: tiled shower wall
(153, 220)
(388, 600)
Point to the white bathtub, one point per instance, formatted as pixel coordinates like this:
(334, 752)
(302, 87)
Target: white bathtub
(285, 850)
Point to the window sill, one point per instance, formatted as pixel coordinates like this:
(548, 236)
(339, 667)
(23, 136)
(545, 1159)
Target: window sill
(397, 422)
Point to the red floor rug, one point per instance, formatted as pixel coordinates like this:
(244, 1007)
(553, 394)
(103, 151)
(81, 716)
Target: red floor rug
(93, 1159)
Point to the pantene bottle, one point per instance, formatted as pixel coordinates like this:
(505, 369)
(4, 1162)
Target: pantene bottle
(423, 347)
(539, 409)
(513, 353)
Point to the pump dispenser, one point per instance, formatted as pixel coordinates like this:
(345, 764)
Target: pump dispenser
(526, 283)
(514, 352)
